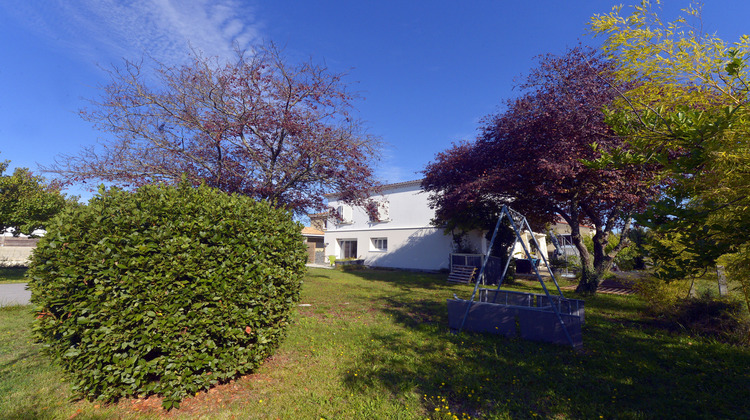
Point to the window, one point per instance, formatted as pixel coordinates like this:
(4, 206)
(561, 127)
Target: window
(383, 214)
(345, 213)
(383, 211)
(348, 248)
(379, 244)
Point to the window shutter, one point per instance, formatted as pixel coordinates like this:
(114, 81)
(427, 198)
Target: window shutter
(383, 211)
(345, 212)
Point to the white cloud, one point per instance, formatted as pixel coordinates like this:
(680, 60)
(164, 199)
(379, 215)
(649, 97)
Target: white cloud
(390, 174)
(164, 29)
(395, 167)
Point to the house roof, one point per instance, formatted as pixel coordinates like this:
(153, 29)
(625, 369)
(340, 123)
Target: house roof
(561, 221)
(403, 184)
(311, 231)
(386, 186)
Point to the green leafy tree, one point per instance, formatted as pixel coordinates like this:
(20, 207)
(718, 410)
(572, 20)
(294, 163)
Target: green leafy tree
(689, 113)
(625, 258)
(27, 201)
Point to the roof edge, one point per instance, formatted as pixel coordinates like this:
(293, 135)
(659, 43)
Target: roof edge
(392, 185)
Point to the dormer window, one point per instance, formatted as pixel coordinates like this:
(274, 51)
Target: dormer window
(345, 213)
(383, 212)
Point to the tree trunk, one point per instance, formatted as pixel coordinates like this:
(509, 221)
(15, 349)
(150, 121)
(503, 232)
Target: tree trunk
(593, 271)
(722, 278)
(589, 281)
(602, 261)
(589, 278)
(691, 290)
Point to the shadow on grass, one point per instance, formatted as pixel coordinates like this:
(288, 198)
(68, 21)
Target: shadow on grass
(314, 275)
(626, 369)
(43, 413)
(5, 367)
(406, 280)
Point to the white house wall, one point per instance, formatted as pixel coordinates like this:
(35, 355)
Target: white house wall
(419, 249)
(412, 242)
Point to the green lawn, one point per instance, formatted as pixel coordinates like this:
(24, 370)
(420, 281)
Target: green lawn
(12, 275)
(375, 344)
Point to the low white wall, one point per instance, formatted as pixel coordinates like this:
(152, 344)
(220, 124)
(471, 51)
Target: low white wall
(12, 256)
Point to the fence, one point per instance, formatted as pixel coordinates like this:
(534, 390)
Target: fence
(15, 252)
(492, 271)
(13, 241)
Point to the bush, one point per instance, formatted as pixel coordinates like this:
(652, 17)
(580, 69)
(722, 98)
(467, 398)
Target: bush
(660, 296)
(719, 318)
(168, 290)
(352, 267)
(510, 275)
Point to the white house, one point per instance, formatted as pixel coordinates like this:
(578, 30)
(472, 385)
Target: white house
(402, 237)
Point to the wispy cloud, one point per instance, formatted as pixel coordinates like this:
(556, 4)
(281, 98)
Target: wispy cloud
(393, 169)
(163, 29)
(389, 174)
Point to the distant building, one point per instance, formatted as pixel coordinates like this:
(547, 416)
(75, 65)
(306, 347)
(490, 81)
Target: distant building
(314, 240)
(562, 233)
(319, 221)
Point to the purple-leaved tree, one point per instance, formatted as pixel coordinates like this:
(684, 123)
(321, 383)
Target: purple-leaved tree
(533, 156)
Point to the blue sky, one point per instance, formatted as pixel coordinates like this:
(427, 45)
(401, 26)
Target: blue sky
(429, 70)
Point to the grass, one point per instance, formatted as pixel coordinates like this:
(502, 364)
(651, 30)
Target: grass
(12, 275)
(375, 344)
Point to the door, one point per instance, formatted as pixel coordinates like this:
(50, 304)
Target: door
(348, 248)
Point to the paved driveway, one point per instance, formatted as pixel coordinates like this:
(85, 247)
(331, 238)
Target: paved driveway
(14, 294)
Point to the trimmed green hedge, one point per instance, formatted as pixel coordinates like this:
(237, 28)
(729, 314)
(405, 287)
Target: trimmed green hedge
(167, 290)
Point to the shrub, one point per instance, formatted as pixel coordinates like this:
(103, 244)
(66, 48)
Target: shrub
(510, 275)
(352, 267)
(660, 296)
(720, 318)
(167, 291)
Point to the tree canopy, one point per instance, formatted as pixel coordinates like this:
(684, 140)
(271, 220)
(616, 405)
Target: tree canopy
(689, 114)
(255, 125)
(27, 201)
(533, 155)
